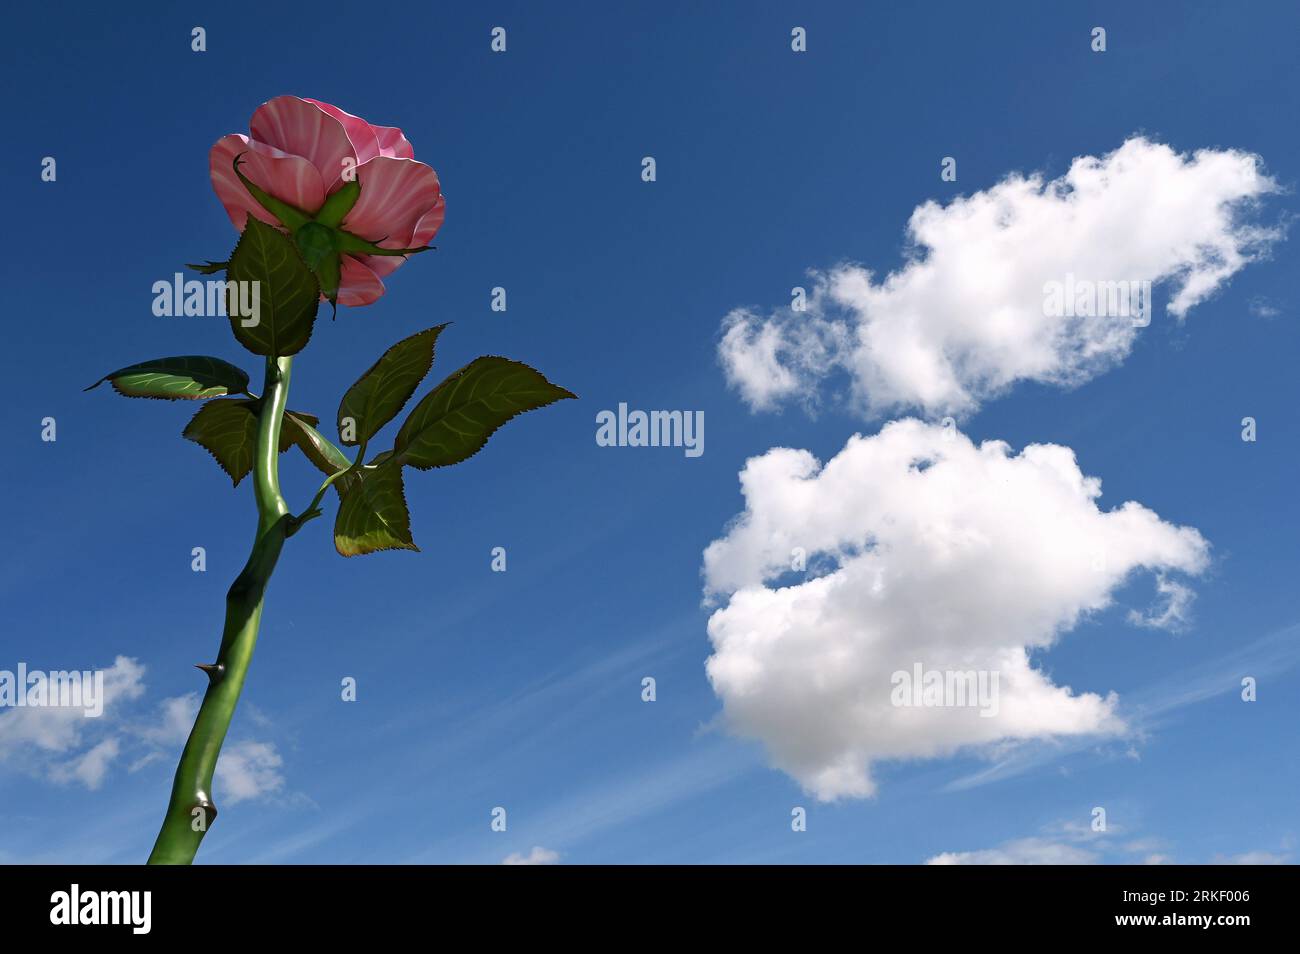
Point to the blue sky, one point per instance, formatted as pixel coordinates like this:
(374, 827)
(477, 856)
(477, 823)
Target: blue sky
(522, 689)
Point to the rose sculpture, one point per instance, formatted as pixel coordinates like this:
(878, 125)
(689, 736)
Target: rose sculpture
(331, 179)
(327, 205)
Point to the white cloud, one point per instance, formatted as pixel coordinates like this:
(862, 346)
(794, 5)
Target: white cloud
(1174, 615)
(770, 362)
(1261, 307)
(940, 553)
(1253, 858)
(174, 721)
(59, 743)
(964, 318)
(248, 770)
(538, 856)
(1073, 844)
(90, 767)
(1026, 851)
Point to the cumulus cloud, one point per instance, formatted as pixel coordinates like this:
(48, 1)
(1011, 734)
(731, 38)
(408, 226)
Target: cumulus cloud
(938, 553)
(172, 724)
(772, 361)
(61, 745)
(90, 767)
(1071, 844)
(1026, 851)
(247, 770)
(59, 742)
(966, 317)
(1253, 858)
(538, 856)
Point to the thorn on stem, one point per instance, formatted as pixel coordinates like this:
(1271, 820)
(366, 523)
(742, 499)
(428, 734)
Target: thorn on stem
(215, 673)
(205, 805)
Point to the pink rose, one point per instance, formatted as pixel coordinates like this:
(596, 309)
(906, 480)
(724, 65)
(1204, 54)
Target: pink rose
(301, 152)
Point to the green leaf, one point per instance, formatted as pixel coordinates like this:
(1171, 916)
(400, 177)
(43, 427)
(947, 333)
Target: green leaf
(384, 390)
(327, 458)
(288, 438)
(347, 480)
(457, 417)
(226, 429)
(207, 268)
(288, 293)
(189, 378)
(372, 513)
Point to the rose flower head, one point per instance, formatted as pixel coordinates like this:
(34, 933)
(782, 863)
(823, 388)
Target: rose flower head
(352, 195)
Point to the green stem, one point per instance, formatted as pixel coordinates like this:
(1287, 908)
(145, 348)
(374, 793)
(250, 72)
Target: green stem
(191, 810)
(313, 511)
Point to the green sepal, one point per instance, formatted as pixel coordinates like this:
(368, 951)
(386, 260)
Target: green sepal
(319, 247)
(355, 245)
(338, 205)
(290, 216)
(328, 273)
(316, 243)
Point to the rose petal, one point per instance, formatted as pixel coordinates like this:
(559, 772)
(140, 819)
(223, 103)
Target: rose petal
(291, 179)
(395, 195)
(300, 128)
(392, 142)
(360, 133)
(358, 285)
(430, 222)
